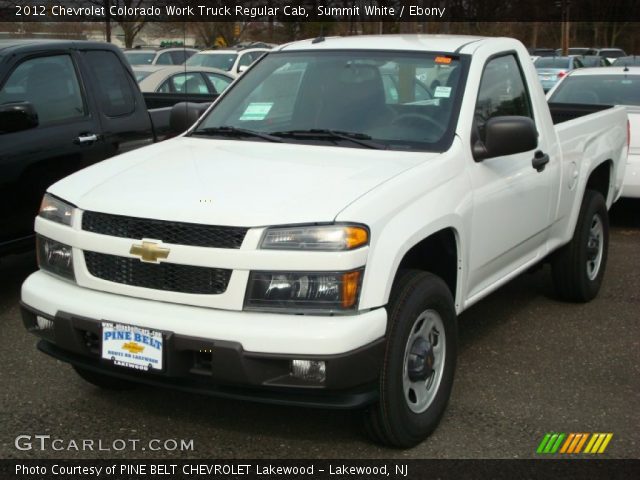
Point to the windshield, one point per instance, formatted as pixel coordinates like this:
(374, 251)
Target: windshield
(223, 61)
(599, 90)
(552, 62)
(140, 58)
(612, 53)
(402, 101)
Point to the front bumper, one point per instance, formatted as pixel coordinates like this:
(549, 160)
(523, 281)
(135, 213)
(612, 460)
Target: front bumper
(207, 359)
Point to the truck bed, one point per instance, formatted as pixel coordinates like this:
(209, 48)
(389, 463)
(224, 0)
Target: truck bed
(563, 112)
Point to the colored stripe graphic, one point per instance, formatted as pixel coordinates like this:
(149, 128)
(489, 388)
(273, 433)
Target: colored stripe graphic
(598, 443)
(550, 443)
(573, 442)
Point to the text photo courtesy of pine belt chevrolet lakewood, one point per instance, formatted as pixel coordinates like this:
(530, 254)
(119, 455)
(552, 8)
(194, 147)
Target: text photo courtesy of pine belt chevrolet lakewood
(312, 239)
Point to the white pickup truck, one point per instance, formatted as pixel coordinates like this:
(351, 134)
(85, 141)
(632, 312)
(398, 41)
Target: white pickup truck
(311, 240)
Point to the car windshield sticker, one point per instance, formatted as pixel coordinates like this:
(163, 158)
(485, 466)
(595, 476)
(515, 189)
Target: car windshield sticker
(256, 111)
(442, 92)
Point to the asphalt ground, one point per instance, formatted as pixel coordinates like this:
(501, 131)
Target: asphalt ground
(528, 364)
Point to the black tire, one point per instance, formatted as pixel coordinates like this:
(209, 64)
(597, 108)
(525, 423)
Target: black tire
(572, 267)
(395, 419)
(103, 381)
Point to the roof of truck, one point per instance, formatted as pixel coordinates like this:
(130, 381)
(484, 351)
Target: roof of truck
(436, 43)
(36, 44)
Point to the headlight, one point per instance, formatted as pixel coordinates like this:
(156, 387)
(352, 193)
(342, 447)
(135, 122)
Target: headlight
(56, 210)
(304, 291)
(55, 257)
(316, 237)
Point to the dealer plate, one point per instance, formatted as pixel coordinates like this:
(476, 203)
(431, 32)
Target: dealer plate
(132, 347)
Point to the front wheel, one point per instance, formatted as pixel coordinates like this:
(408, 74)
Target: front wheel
(578, 267)
(419, 364)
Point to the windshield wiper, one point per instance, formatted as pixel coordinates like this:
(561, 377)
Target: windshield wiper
(235, 132)
(359, 138)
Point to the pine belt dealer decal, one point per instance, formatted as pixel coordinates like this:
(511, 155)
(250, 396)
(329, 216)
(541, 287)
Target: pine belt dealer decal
(574, 443)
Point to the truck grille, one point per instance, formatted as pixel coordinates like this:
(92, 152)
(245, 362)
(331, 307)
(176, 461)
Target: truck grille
(179, 233)
(159, 276)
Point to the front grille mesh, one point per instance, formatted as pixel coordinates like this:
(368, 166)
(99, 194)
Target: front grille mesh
(159, 276)
(178, 233)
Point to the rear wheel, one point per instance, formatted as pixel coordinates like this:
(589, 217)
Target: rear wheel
(578, 267)
(419, 364)
(103, 381)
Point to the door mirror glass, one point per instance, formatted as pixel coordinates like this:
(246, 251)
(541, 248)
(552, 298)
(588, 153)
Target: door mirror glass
(15, 117)
(506, 135)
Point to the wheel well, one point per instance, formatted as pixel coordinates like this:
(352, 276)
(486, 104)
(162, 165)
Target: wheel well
(600, 178)
(438, 254)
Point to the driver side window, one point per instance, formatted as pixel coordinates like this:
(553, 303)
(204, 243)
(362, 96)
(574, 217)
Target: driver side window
(502, 92)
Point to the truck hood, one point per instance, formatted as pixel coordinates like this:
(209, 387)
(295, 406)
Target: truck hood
(239, 183)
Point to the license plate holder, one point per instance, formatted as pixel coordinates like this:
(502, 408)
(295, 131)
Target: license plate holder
(132, 347)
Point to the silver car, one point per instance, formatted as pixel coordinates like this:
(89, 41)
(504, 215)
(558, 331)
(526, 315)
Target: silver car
(552, 69)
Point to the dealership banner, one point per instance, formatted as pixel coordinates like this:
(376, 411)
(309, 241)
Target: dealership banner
(317, 469)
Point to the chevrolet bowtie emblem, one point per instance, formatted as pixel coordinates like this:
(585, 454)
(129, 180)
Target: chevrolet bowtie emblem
(133, 347)
(149, 251)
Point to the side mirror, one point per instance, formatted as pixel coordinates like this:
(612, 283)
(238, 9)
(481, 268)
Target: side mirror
(185, 114)
(15, 117)
(506, 136)
(242, 68)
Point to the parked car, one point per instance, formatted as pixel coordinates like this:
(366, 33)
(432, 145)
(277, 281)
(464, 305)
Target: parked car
(552, 69)
(64, 105)
(609, 53)
(542, 52)
(609, 86)
(233, 61)
(184, 79)
(594, 61)
(573, 51)
(160, 56)
(632, 60)
(314, 245)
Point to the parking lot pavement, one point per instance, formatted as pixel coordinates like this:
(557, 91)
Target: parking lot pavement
(528, 364)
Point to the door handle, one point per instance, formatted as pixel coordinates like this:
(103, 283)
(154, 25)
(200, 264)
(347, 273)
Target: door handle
(539, 161)
(85, 138)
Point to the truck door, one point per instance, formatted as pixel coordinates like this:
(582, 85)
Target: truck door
(511, 210)
(121, 109)
(65, 139)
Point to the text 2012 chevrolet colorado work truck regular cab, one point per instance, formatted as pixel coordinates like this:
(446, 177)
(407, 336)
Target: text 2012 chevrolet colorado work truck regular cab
(311, 240)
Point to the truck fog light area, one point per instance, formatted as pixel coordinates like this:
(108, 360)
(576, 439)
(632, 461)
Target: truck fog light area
(44, 323)
(313, 370)
(55, 257)
(303, 291)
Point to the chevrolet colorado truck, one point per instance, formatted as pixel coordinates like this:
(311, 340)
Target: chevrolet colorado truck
(65, 105)
(313, 237)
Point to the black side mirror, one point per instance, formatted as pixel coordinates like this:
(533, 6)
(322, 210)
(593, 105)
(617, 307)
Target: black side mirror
(15, 117)
(185, 114)
(506, 136)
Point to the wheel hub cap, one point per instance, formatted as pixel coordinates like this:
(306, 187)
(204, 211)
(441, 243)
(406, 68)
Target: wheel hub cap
(595, 247)
(424, 358)
(421, 360)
